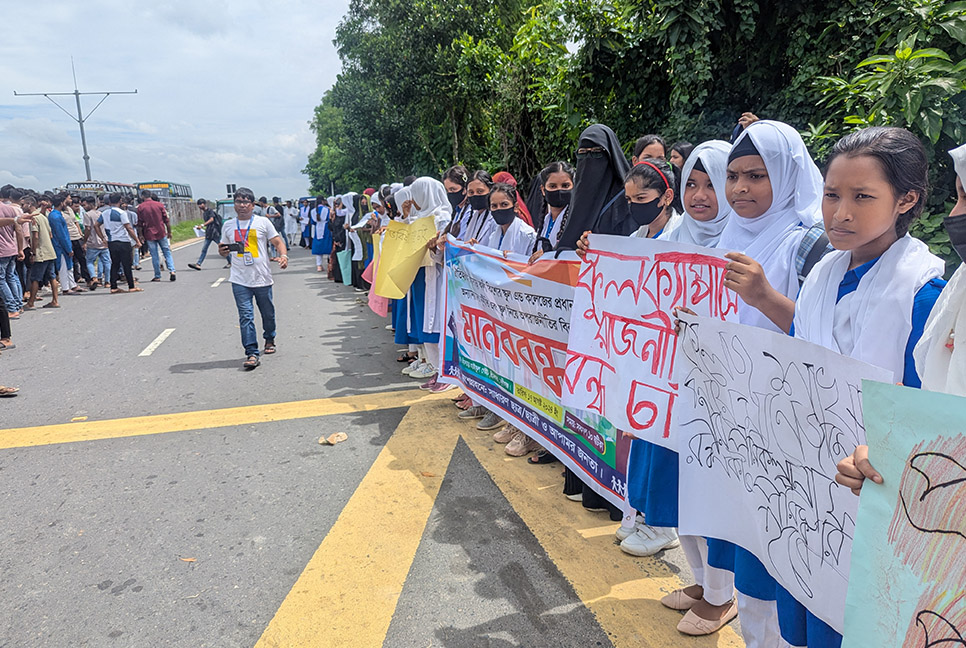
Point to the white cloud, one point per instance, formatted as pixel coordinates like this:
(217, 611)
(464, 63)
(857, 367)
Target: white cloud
(225, 90)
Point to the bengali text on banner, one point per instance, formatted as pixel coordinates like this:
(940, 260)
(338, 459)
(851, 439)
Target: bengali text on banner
(507, 326)
(621, 350)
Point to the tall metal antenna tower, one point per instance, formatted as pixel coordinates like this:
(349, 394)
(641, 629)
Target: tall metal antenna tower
(80, 118)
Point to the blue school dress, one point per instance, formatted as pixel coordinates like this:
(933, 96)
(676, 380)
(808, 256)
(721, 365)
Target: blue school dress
(322, 245)
(652, 480)
(410, 330)
(799, 627)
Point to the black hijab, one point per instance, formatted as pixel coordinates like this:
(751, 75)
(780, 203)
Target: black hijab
(598, 202)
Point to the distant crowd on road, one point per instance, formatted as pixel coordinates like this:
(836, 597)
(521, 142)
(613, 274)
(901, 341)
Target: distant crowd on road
(55, 244)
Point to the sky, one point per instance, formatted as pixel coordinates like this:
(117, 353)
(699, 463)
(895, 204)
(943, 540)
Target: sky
(225, 91)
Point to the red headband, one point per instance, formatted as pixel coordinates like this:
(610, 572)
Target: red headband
(666, 183)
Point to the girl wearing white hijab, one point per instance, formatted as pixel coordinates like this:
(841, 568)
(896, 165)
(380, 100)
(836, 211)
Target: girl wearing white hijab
(775, 190)
(710, 601)
(345, 254)
(427, 199)
(701, 225)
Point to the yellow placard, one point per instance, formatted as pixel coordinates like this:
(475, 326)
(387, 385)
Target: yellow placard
(403, 253)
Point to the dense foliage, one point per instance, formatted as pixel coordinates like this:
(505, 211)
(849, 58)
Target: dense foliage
(509, 84)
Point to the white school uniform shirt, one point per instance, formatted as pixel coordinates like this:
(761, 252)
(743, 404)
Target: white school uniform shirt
(872, 323)
(551, 230)
(519, 238)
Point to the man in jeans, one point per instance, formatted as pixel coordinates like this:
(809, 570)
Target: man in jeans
(97, 252)
(245, 241)
(11, 246)
(157, 231)
(212, 223)
(115, 227)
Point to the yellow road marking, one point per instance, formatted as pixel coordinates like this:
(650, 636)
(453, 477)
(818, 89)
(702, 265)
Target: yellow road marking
(623, 592)
(348, 592)
(207, 419)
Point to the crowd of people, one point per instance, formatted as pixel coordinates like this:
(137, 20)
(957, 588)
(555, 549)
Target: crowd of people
(56, 243)
(824, 257)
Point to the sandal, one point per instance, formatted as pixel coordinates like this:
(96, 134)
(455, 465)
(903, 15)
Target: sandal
(7, 347)
(114, 291)
(405, 358)
(51, 305)
(136, 289)
(270, 347)
(542, 457)
(252, 362)
(6, 392)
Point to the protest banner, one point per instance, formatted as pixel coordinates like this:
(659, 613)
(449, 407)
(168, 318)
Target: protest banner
(762, 420)
(620, 358)
(507, 325)
(403, 253)
(906, 587)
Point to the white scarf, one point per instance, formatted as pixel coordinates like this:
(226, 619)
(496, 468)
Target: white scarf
(879, 312)
(430, 195)
(942, 368)
(714, 158)
(773, 238)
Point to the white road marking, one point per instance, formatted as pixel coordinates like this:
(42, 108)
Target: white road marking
(217, 283)
(157, 342)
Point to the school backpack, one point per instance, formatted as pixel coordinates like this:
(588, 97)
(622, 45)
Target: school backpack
(813, 247)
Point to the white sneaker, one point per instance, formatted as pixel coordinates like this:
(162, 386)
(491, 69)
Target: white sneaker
(624, 532)
(423, 371)
(648, 540)
(412, 366)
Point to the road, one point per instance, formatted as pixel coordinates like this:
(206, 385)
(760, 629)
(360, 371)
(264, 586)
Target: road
(173, 499)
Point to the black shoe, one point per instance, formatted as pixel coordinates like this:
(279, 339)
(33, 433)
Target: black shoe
(194, 266)
(227, 265)
(174, 277)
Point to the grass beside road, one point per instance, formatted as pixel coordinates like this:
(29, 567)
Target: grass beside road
(183, 231)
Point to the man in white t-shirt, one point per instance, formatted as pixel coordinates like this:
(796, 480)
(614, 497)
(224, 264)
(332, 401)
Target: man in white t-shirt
(245, 241)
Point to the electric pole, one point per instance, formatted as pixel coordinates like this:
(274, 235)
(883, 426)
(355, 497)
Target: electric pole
(80, 118)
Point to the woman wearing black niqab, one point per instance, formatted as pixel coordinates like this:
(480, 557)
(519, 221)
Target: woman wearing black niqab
(598, 203)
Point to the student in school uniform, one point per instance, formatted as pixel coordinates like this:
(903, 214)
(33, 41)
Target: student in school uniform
(454, 181)
(556, 185)
(320, 234)
(774, 189)
(870, 298)
(511, 234)
(479, 224)
(430, 200)
(598, 205)
(708, 604)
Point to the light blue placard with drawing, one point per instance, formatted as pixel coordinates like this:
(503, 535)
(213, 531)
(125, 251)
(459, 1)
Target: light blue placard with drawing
(907, 586)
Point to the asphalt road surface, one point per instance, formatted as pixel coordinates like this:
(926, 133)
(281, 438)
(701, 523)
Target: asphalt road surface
(171, 498)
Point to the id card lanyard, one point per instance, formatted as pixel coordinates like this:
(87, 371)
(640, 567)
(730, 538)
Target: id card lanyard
(249, 260)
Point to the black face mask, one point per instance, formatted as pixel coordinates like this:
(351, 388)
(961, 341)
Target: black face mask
(455, 198)
(559, 197)
(503, 216)
(644, 213)
(956, 228)
(479, 203)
